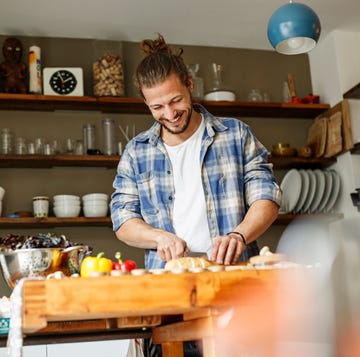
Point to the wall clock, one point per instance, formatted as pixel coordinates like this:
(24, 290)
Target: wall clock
(63, 81)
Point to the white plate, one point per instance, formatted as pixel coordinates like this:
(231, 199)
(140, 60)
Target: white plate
(311, 191)
(335, 192)
(304, 190)
(319, 192)
(291, 188)
(327, 192)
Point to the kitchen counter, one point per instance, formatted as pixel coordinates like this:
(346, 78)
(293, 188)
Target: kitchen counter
(171, 307)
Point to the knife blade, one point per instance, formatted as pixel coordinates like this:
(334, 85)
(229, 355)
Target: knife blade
(195, 254)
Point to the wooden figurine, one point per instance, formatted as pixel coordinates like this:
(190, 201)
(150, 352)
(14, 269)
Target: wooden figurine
(12, 70)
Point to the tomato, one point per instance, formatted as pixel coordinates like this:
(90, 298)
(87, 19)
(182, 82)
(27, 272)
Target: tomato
(128, 265)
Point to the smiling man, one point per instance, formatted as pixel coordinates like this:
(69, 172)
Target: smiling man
(193, 181)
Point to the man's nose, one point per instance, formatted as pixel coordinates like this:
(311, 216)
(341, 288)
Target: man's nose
(170, 113)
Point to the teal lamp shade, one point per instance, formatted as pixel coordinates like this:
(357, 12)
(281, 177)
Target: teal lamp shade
(293, 28)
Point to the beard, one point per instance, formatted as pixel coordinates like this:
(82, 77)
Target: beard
(178, 130)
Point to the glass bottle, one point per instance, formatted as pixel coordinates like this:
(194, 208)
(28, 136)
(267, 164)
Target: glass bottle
(108, 131)
(198, 82)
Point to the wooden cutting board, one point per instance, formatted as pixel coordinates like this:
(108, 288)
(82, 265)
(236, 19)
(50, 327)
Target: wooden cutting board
(317, 135)
(334, 140)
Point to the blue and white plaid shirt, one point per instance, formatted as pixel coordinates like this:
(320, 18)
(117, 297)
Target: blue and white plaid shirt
(235, 173)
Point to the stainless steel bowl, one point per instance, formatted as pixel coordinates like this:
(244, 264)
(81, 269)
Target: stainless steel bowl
(23, 263)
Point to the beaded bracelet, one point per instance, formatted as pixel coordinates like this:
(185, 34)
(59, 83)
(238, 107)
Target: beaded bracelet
(241, 236)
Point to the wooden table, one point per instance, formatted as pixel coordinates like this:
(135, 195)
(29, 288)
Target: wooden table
(173, 307)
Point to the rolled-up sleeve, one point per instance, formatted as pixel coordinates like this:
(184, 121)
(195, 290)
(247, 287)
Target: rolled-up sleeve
(125, 199)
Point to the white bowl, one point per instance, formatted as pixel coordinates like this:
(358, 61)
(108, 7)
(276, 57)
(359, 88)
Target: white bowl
(219, 95)
(97, 202)
(59, 198)
(96, 196)
(66, 205)
(70, 211)
(95, 211)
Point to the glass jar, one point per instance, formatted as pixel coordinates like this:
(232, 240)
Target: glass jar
(108, 73)
(6, 141)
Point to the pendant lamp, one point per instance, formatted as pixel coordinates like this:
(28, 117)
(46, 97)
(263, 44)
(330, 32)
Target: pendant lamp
(293, 28)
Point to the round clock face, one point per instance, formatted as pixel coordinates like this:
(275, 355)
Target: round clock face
(63, 82)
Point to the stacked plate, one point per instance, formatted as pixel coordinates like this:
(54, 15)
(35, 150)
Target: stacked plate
(309, 191)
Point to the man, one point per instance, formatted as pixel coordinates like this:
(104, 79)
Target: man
(193, 181)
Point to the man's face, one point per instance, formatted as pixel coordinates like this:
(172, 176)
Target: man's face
(170, 104)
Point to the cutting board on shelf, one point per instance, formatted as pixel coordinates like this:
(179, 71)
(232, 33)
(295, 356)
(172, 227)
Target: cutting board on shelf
(317, 136)
(337, 137)
(334, 138)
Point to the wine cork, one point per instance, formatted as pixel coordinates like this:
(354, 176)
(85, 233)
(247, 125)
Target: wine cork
(35, 70)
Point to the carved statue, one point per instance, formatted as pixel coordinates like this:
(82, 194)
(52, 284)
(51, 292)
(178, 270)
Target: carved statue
(12, 69)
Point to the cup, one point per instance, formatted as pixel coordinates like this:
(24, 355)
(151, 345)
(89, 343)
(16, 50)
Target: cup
(2, 193)
(41, 206)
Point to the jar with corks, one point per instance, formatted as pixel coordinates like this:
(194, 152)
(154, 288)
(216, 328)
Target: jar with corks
(108, 76)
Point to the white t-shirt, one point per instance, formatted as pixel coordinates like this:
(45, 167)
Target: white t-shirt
(189, 215)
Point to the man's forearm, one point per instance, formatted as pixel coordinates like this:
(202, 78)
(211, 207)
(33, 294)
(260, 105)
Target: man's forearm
(137, 233)
(258, 219)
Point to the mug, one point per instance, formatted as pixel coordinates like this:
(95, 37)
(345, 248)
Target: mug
(41, 206)
(2, 193)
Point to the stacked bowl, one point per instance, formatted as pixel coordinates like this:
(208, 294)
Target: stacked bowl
(95, 204)
(66, 206)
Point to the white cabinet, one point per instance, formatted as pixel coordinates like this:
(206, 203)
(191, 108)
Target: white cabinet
(28, 351)
(111, 348)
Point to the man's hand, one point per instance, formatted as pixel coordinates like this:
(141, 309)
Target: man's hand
(227, 249)
(170, 246)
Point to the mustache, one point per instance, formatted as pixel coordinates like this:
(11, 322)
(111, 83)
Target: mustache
(176, 116)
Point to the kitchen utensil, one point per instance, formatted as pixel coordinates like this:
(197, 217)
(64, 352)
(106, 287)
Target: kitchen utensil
(334, 141)
(195, 254)
(24, 263)
(294, 98)
(317, 135)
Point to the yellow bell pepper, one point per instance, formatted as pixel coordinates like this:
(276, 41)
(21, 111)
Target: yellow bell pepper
(98, 264)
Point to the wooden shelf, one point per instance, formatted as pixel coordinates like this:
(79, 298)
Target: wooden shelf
(52, 222)
(353, 93)
(300, 162)
(48, 161)
(284, 219)
(37, 102)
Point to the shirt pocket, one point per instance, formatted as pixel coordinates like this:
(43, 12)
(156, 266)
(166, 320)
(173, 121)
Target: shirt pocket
(147, 190)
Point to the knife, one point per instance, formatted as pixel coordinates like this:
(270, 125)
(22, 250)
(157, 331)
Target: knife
(195, 254)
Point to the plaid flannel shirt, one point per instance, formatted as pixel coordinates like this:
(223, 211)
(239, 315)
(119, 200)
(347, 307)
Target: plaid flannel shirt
(235, 173)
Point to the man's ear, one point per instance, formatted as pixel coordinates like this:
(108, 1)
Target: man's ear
(190, 84)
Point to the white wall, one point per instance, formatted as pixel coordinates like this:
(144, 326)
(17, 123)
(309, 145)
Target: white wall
(335, 68)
